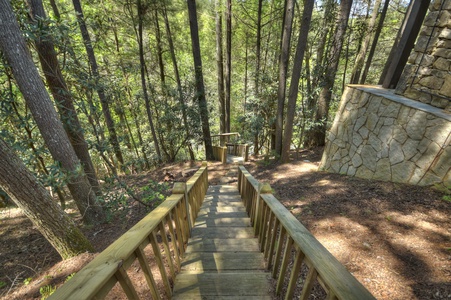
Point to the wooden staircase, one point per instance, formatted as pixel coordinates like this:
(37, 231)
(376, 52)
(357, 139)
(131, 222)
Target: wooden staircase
(223, 259)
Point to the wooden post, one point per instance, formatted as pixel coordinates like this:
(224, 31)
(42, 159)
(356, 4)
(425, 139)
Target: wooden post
(180, 188)
(246, 152)
(224, 155)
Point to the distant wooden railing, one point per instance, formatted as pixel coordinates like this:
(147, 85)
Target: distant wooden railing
(220, 154)
(172, 218)
(281, 235)
(238, 150)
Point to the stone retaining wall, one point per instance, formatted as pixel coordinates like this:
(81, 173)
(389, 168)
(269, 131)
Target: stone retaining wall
(379, 135)
(427, 76)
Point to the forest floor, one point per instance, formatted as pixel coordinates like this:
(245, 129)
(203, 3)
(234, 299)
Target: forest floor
(394, 238)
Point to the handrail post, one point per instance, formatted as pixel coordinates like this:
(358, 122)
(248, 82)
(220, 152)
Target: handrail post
(246, 152)
(224, 155)
(263, 188)
(180, 188)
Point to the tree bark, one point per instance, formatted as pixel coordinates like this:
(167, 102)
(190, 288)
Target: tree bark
(374, 43)
(62, 96)
(36, 203)
(257, 65)
(143, 79)
(358, 65)
(295, 77)
(220, 66)
(283, 67)
(160, 53)
(200, 96)
(14, 48)
(318, 133)
(99, 87)
(179, 82)
(228, 65)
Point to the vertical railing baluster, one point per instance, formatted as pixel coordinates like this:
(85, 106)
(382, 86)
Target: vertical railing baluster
(178, 228)
(167, 250)
(263, 225)
(126, 284)
(175, 243)
(269, 233)
(147, 273)
(160, 263)
(294, 274)
(283, 267)
(311, 276)
(282, 235)
(272, 243)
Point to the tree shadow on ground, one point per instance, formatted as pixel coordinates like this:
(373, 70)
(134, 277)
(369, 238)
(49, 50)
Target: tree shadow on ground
(393, 237)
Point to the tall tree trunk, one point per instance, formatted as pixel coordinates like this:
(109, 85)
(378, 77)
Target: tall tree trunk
(160, 53)
(29, 130)
(220, 66)
(322, 45)
(62, 96)
(257, 65)
(258, 47)
(34, 200)
(143, 78)
(374, 43)
(283, 67)
(99, 86)
(56, 12)
(179, 82)
(317, 135)
(14, 48)
(358, 65)
(295, 77)
(228, 65)
(200, 96)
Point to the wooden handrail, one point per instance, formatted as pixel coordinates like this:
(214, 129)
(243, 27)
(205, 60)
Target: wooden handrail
(220, 152)
(276, 227)
(172, 217)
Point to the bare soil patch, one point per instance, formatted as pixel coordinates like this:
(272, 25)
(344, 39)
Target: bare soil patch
(393, 238)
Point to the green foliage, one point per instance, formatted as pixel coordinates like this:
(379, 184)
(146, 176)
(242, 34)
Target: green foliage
(114, 201)
(446, 190)
(70, 276)
(46, 291)
(2, 284)
(155, 193)
(27, 281)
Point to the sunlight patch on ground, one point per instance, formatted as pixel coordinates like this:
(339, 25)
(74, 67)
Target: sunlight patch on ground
(302, 167)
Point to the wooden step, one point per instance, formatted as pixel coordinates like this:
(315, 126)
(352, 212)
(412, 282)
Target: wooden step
(221, 221)
(223, 233)
(221, 245)
(223, 261)
(222, 209)
(215, 285)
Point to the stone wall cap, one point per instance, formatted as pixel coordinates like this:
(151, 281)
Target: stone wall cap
(389, 94)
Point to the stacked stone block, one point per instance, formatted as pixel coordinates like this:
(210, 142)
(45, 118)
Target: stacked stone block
(379, 135)
(427, 76)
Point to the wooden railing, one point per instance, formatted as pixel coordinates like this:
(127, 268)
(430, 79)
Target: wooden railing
(282, 237)
(220, 154)
(173, 218)
(238, 150)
